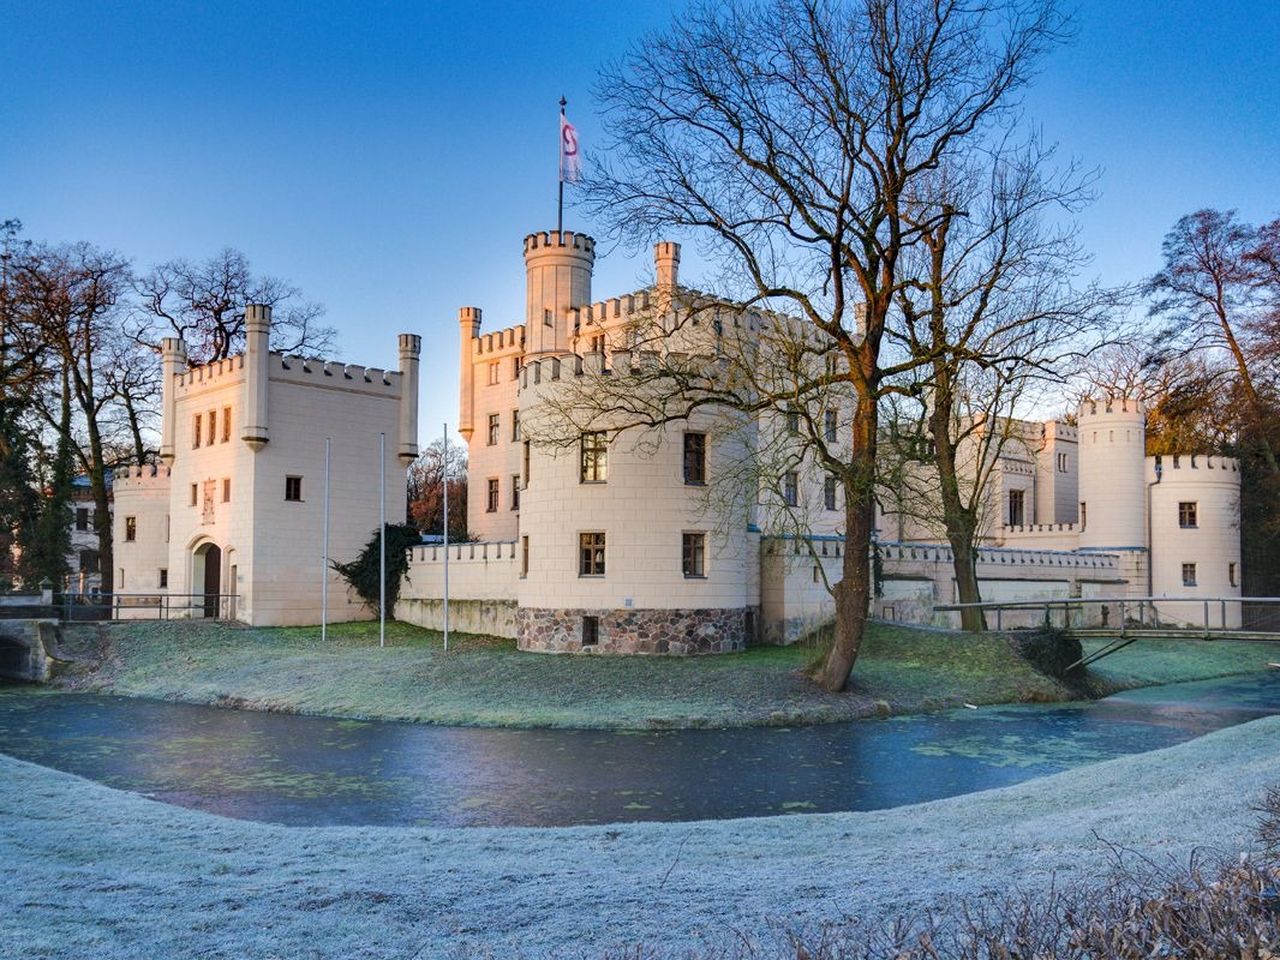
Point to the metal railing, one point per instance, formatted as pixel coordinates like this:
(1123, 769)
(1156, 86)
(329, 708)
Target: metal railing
(148, 606)
(1239, 617)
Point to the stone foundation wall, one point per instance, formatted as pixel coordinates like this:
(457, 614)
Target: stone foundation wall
(494, 618)
(651, 631)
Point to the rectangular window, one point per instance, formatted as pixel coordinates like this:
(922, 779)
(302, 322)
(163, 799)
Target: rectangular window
(1231, 574)
(515, 492)
(226, 489)
(493, 374)
(793, 422)
(195, 494)
(591, 554)
(515, 425)
(1188, 574)
(693, 555)
(829, 493)
(226, 424)
(131, 529)
(164, 578)
(82, 518)
(526, 464)
(515, 368)
(1187, 513)
(547, 318)
(1016, 511)
(524, 556)
(88, 561)
(790, 488)
(590, 631)
(1084, 515)
(594, 461)
(829, 426)
(195, 432)
(293, 489)
(695, 459)
(166, 528)
(491, 501)
(213, 427)
(1062, 463)
(493, 429)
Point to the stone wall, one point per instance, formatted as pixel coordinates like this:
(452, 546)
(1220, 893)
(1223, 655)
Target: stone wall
(493, 618)
(669, 632)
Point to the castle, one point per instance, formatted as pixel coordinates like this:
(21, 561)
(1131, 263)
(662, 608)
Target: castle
(231, 524)
(607, 543)
(609, 540)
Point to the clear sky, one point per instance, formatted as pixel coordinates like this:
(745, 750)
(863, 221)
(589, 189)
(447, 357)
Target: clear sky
(389, 157)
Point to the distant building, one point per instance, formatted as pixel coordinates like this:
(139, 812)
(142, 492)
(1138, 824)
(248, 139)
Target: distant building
(83, 562)
(230, 524)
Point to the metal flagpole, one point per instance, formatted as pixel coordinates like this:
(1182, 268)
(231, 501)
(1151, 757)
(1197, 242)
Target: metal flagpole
(560, 205)
(382, 539)
(324, 582)
(445, 474)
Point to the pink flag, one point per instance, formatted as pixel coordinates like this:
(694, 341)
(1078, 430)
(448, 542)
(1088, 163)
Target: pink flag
(569, 169)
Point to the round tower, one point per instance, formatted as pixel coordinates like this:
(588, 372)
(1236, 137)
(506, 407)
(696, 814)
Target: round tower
(557, 278)
(1112, 437)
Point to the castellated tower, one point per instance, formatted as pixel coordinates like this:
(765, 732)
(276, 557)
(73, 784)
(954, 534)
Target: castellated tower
(558, 278)
(1112, 437)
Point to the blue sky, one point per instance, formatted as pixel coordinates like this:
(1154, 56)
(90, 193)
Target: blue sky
(389, 157)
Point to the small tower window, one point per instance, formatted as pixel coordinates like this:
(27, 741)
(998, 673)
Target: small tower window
(515, 491)
(515, 425)
(195, 494)
(493, 374)
(226, 489)
(164, 578)
(694, 554)
(1084, 515)
(547, 318)
(695, 459)
(790, 488)
(830, 426)
(524, 556)
(1187, 510)
(1231, 574)
(829, 492)
(493, 429)
(131, 529)
(1188, 574)
(226, 424)
(293, 489)
(195, 432)
(594, 463)
(491, 501)
(82, 518)
(591, 554)
(1016, 508)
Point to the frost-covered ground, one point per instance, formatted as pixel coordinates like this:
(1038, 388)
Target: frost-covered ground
(86, 871)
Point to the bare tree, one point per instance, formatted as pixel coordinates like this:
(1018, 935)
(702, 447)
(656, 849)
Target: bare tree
(993, 314)
(74, 295)
(794, 138)
(1217, 289)
(426, 490)
(203, 303)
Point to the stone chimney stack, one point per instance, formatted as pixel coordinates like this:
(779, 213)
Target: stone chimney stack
(468, 332)
(257, 364)
(173, 361)
(410, 350)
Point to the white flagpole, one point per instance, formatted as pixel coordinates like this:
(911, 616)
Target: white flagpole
(445, 474)
(324, 576)
(382, 539)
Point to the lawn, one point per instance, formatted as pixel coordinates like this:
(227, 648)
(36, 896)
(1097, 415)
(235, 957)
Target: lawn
(486, 682)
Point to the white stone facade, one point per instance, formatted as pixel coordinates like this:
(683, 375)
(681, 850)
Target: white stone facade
(1073, 508)
(232, 524)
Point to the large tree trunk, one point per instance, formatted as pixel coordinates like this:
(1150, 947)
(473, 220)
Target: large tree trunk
(853, 592)
(961, 524)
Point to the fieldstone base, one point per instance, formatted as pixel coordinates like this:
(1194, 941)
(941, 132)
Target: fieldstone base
(636, 632)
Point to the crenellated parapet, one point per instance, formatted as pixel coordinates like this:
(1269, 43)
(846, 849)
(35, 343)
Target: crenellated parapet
(1025, 529)
(136, 477)
(553, 241)
(1182, 467)
(1119, 405)
(209, 376)
(328, 373)
(615, 311)
(498, 343)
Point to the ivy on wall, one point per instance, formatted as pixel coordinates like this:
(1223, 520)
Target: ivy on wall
(361, 573)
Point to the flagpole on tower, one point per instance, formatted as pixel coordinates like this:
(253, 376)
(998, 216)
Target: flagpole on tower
(560, 165)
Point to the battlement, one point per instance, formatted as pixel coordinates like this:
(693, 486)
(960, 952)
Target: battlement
(1004, 556)
(1059, 430)
(614, 309)
(1195, 466)
(209, 375)
(1036, 528)
(464, 552)
(554, 240)
(1091, 407)
(1017, 468)
(506, 340)
(139, 477)
(329, 373)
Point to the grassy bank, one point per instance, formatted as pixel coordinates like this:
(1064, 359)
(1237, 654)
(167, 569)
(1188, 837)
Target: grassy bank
(487, 682)
(96, 872)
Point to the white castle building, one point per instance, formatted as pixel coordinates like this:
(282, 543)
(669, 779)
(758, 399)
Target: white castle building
(232, 523)
(608, 545)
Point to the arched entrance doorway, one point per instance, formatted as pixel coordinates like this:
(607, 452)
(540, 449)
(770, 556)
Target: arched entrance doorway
(206, 576)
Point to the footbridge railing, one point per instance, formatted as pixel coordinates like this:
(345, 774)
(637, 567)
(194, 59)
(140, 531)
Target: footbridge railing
(148, 606)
